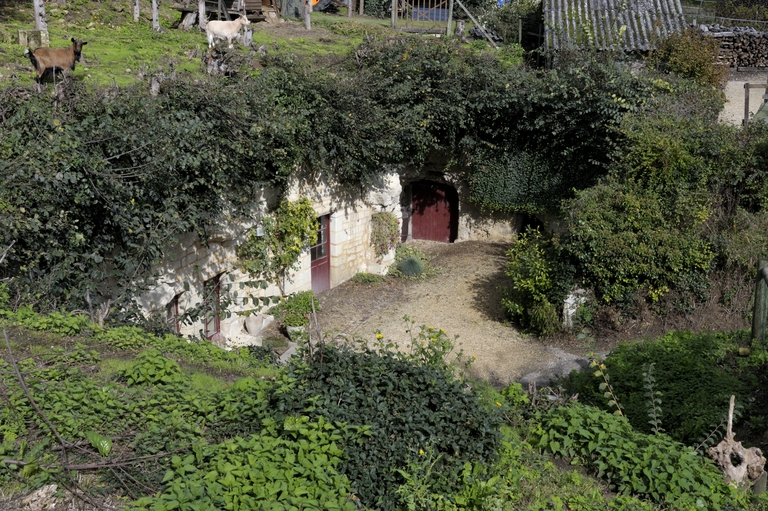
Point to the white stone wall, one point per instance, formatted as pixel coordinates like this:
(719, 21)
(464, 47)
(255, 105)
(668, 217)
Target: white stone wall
(188, 264)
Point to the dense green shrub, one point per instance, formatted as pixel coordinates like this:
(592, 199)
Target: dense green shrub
(540, 276)
(650, 466)
(368, 278)
(505, 20)
(624, 241)
(409, 406)
(410, 267)
(290, 229)
(124, 197)
(516, 182)
(742, 9)
(693, 55)
(691, 372)
(297, 308)
(418, 263)
(152, 368)
(289, 465)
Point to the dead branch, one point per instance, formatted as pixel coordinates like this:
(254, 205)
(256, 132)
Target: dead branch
(5, 252)
(739, 464)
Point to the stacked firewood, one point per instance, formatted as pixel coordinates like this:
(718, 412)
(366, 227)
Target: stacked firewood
(739, 46)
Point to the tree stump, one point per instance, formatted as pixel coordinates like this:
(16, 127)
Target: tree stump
(740, 465)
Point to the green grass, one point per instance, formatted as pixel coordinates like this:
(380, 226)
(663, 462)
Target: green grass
(121, 52)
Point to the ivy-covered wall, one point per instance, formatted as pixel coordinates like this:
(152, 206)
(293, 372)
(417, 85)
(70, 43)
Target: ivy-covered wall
(188, 264)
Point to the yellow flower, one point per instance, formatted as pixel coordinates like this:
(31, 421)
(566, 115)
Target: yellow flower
(421, 452)
(433, 339)
(498, 404)
(379, 336)
(442, 331)
(431, 328)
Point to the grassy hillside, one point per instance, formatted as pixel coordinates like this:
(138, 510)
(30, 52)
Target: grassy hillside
(120, 51)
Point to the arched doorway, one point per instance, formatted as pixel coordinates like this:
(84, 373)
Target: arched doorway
(434, 211)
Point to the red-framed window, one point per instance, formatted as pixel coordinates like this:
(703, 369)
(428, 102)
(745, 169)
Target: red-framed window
(172, 314)
(212, 300)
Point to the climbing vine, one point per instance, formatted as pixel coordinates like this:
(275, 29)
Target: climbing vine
(385, 233)
(274, 252)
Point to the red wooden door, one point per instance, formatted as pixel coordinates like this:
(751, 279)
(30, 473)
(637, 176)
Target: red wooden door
(435, 211)
(321, 256)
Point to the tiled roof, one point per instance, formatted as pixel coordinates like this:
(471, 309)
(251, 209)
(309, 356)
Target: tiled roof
(626, 24)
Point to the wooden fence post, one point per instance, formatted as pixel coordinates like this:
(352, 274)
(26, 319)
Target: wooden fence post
(761, 295)
(201, 13)
(155, 19)
(307, 10)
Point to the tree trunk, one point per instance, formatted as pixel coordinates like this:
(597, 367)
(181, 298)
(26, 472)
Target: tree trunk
(41, 23)
(155, 21)
(135, 11)
(201, 14)
(740, 465)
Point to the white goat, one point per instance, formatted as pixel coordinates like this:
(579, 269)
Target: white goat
(225, 29)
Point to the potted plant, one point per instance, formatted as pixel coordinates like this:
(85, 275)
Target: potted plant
(295, 324)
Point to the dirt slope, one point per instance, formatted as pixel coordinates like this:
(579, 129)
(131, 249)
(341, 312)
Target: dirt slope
(464, 300)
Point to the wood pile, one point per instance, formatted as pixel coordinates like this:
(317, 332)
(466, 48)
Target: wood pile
(739, 46)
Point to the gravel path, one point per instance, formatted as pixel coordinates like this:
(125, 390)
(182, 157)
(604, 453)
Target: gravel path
(464, 300)
(733, 112)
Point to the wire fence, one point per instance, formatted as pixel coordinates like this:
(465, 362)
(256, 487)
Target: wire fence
(705, 13)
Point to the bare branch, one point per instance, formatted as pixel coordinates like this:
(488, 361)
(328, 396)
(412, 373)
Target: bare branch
(5, 252)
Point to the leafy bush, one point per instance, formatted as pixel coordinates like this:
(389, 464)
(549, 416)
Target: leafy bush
(691, 54)
(152, 368)
(504, 20)
(531, 269)
(624, 241)
(385, 233)
(408, 406)
(417, 257)
(368, 278)
(286, 234)
(691, 372)
(289, 465)
(649, 466)
(410, 267)
(296, 309)
(515, 182)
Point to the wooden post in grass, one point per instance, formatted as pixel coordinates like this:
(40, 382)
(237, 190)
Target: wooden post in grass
(135, 11)
(761, 300)
(155, 18)
(202, 15)
(41, 22)
(307, 11)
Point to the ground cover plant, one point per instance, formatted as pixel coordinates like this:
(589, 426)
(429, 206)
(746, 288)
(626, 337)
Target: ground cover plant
(693, 377)
(343, 428)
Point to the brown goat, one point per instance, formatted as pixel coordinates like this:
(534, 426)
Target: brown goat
(49, 60)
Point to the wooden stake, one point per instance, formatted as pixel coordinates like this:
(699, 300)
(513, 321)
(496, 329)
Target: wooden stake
(759, 311)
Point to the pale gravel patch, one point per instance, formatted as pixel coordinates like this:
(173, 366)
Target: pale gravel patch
(463, 300)
(733, 112)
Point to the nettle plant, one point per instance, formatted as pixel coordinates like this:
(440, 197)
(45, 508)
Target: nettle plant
(385, 233)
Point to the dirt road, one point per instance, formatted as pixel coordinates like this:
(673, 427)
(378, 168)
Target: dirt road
(464, 300)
